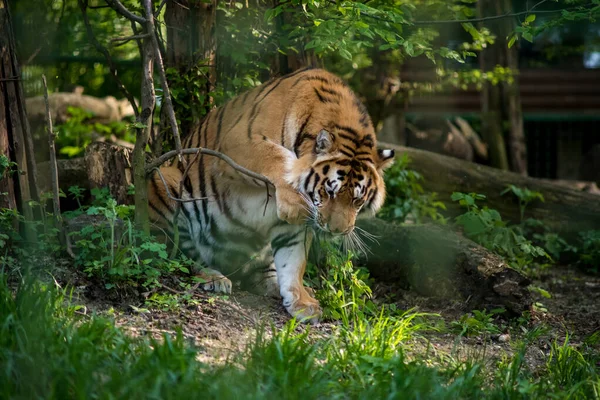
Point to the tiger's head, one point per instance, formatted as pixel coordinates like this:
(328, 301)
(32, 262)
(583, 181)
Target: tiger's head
(340, 176)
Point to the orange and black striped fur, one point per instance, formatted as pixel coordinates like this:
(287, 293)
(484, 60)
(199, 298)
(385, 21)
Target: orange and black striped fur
(310, 135)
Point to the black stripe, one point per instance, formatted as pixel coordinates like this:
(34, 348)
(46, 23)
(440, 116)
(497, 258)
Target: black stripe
(202, 188)
(244, 98)
(324, 99)
(263, 87)
(283, 130)
(296, 73)
(289, 244)
(317, 179)
(237, 121)
(307, 181)
(350, 149)
(162, 200)
(300, 135)
(227, 213)
(213, 187)
(347, 129)
(253, 116)
(273, 88)
(331, 91)
(284, 240)
(160, 213)
(220, 124)
(347, 154)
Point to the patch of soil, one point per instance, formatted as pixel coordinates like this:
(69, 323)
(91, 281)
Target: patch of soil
(222, 326)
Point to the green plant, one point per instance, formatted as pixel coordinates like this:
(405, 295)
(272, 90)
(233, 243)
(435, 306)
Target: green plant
(485, 226)
(477, 322)
(340, 287)
(48, 351)
(589, 253)
(525, 197)
(111, 249)
(406, 197)
(77, 132)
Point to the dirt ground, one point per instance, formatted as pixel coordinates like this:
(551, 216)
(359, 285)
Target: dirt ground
(223, 326)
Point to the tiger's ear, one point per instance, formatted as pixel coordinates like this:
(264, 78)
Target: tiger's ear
(385, 159)
(324, 142)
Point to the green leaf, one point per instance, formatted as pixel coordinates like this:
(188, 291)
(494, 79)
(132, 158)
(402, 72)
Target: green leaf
(530, 18)
(346, 54)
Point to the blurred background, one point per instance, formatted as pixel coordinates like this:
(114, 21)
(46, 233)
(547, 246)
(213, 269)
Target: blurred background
(428, 81)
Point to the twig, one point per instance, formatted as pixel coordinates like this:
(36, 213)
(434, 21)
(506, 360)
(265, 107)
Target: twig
(128, 38)
(120, 8)
(162, 159)
(101, 49)
(163, 77)
(53, 166)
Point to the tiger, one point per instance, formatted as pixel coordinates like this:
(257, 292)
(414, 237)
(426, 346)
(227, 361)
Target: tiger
(310, 135)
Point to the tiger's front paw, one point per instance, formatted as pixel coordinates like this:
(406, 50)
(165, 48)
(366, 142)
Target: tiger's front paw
(304, 307)
(291, 206)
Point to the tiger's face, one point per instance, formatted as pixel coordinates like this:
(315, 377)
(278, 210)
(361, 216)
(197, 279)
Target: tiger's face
(341, 178)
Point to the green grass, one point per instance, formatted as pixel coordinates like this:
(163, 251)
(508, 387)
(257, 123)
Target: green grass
(48, 351)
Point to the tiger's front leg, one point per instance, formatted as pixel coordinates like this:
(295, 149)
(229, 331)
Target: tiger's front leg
(290, 245)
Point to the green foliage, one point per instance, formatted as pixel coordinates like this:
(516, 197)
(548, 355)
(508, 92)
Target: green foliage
(111, 249)
(589, 253)
(340, 288)
(46, 351)
(485, 226)
(6, 165)
(568, 12)
(555, 245)
(406, 197)
(77, 132)
(525, 197)
(476, 323)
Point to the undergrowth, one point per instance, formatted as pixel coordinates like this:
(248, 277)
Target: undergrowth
(47, 350)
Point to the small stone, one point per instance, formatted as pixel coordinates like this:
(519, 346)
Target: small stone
(504, 338)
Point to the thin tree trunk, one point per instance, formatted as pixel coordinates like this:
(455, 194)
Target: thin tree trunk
(517, 149)
(491, 95)
(143, 134)
(15, 135)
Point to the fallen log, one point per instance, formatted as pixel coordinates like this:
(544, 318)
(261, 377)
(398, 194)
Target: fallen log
(436, 262)
(564, 210)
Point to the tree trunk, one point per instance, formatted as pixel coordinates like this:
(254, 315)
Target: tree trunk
(15, 136)
(109, 166)
(491, 95)
(190, 42)
(565, 210)
(517, 148)
(437, 262)
(501, 103)
(142, 136)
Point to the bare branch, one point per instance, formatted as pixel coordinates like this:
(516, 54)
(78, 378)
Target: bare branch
(128, 38)
(170, 195)
(101, 49)
(121, 9)
(163, 77)
(162, 159)
(53, 166)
